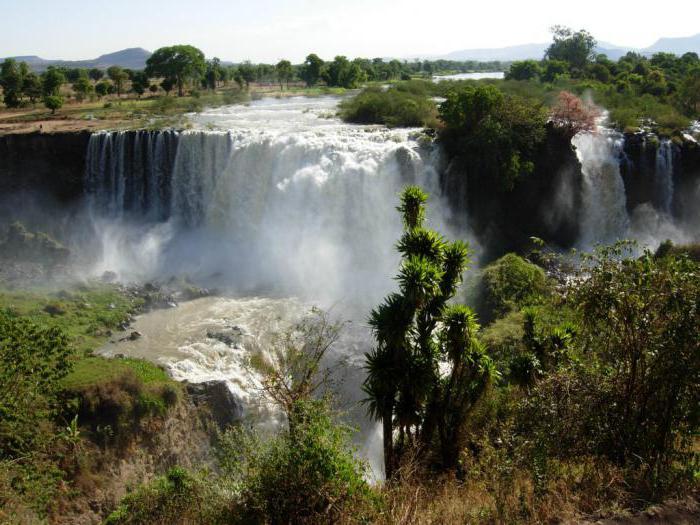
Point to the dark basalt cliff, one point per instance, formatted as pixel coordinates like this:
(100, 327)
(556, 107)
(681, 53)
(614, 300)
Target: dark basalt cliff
(544, 203)
(51, 164)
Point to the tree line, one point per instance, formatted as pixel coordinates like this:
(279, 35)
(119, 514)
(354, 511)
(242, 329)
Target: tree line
(184, 68)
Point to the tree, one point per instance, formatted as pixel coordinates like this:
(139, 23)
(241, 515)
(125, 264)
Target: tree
(690, 92)
(82, 87)
(52, 79)
(118, 77)
(11, 82)
(167, 85)
(577, 48)
(53, 102)
(494, 134)
(153, 88)
(246, 74)
(181, 64)
(284, 72)
(523, 70)
(102, 88)
(96, 74)
(31, 86)
(213, 74)
(311, 70)
(415, 330)
(571, 115)
(140, 83)
(639, 315)
(554, 69)
(343, 73)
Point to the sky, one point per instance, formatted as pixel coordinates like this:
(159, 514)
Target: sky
(269, 30)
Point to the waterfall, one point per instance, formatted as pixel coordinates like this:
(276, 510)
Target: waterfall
(307, 213)
(663, 176)
(603, 215)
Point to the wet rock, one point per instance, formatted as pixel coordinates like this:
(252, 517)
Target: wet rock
(225, 406)
(231, 336)
(109, 277)
(133, 336)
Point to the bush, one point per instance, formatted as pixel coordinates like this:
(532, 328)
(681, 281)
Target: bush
(33, 360)
(305, 475)
(178, 498)
(394, 108)
(509, 283)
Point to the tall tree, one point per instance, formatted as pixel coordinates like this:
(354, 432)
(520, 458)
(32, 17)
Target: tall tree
(118, 77)
(96, 74)
(577, 48)
(52, 79)
(181, 64)
(416, 330)
(11, 82)
(311, 70)
(284, 72)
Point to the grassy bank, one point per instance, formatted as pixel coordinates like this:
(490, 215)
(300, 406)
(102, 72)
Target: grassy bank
(58, 401)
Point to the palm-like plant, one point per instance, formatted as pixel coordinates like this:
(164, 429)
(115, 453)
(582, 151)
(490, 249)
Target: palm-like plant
(416, 332)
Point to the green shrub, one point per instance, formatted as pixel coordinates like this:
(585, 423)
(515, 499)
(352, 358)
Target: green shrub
(33, 360)
(507, 284)
(178, 498)
(308, 474)
(395, 107)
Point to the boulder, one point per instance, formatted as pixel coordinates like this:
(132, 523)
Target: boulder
(225, 406)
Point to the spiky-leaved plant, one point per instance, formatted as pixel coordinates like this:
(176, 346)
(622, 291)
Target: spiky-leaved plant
(428, 368)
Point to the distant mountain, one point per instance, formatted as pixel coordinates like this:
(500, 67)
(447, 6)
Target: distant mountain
(132, 58)
(677, 46)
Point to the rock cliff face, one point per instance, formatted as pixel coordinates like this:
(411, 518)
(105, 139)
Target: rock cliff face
(48, 163)
(544, 203)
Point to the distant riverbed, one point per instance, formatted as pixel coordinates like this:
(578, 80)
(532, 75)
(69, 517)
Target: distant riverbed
(474, 76)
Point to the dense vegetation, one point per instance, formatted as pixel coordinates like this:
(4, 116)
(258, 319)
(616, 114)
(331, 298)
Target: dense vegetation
(57, 401)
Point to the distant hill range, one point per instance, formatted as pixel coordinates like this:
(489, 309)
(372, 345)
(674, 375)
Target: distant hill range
(677, 46)
(132, 58)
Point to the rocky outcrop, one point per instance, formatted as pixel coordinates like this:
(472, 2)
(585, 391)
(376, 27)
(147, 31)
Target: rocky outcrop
(224, 406)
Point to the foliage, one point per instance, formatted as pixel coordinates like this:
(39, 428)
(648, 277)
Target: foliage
(343, 73)
(179, 64)
(523, 70)
(53, 102)
(179, 497)
(571, 115)
(33, 360)
(11, 82)
(415, 329)
(573, 47)
(508, 284)
(311, 69)
(392, 107)
(52, 79)
(118, 76)
(284, 72)
(307, 476)
(640, 317)
(497, 134)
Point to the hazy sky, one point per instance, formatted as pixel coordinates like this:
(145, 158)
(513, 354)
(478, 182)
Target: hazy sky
(268, 30)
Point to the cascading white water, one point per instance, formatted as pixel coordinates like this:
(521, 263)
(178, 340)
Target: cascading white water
(604, 215)
(663, 176)
(307, 210)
